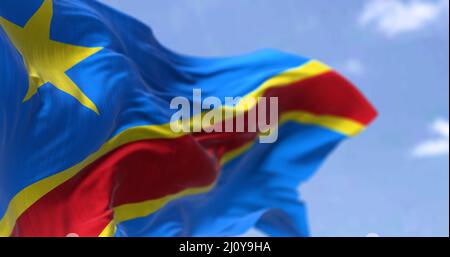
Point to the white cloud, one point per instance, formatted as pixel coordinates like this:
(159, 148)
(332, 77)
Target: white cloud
(437, 146)
(393, 17)
(354, 66)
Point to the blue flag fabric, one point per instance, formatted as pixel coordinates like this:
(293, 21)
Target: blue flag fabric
(86, 133)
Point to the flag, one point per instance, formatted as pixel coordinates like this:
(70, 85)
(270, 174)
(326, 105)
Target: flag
(89, 144)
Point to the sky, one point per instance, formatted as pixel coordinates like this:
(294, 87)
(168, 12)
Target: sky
(392, 180)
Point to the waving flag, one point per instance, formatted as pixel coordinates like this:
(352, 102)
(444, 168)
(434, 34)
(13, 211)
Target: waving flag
(87, 146)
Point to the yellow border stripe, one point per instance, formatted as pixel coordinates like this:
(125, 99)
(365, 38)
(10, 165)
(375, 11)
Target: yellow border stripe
(311, 69)
(227, 157)
(109, 231)
(142, 209)
(344, 126)
(28, 196)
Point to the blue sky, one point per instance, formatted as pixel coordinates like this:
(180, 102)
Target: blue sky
(393, 180)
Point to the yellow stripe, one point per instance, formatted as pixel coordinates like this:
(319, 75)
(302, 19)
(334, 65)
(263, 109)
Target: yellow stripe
(142, 209)
(109, 230)
(344, 126)
(235, 153)
(311, 69)
(28, 196)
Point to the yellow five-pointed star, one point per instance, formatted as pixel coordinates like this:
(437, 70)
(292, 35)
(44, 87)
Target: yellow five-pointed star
(47, 60)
